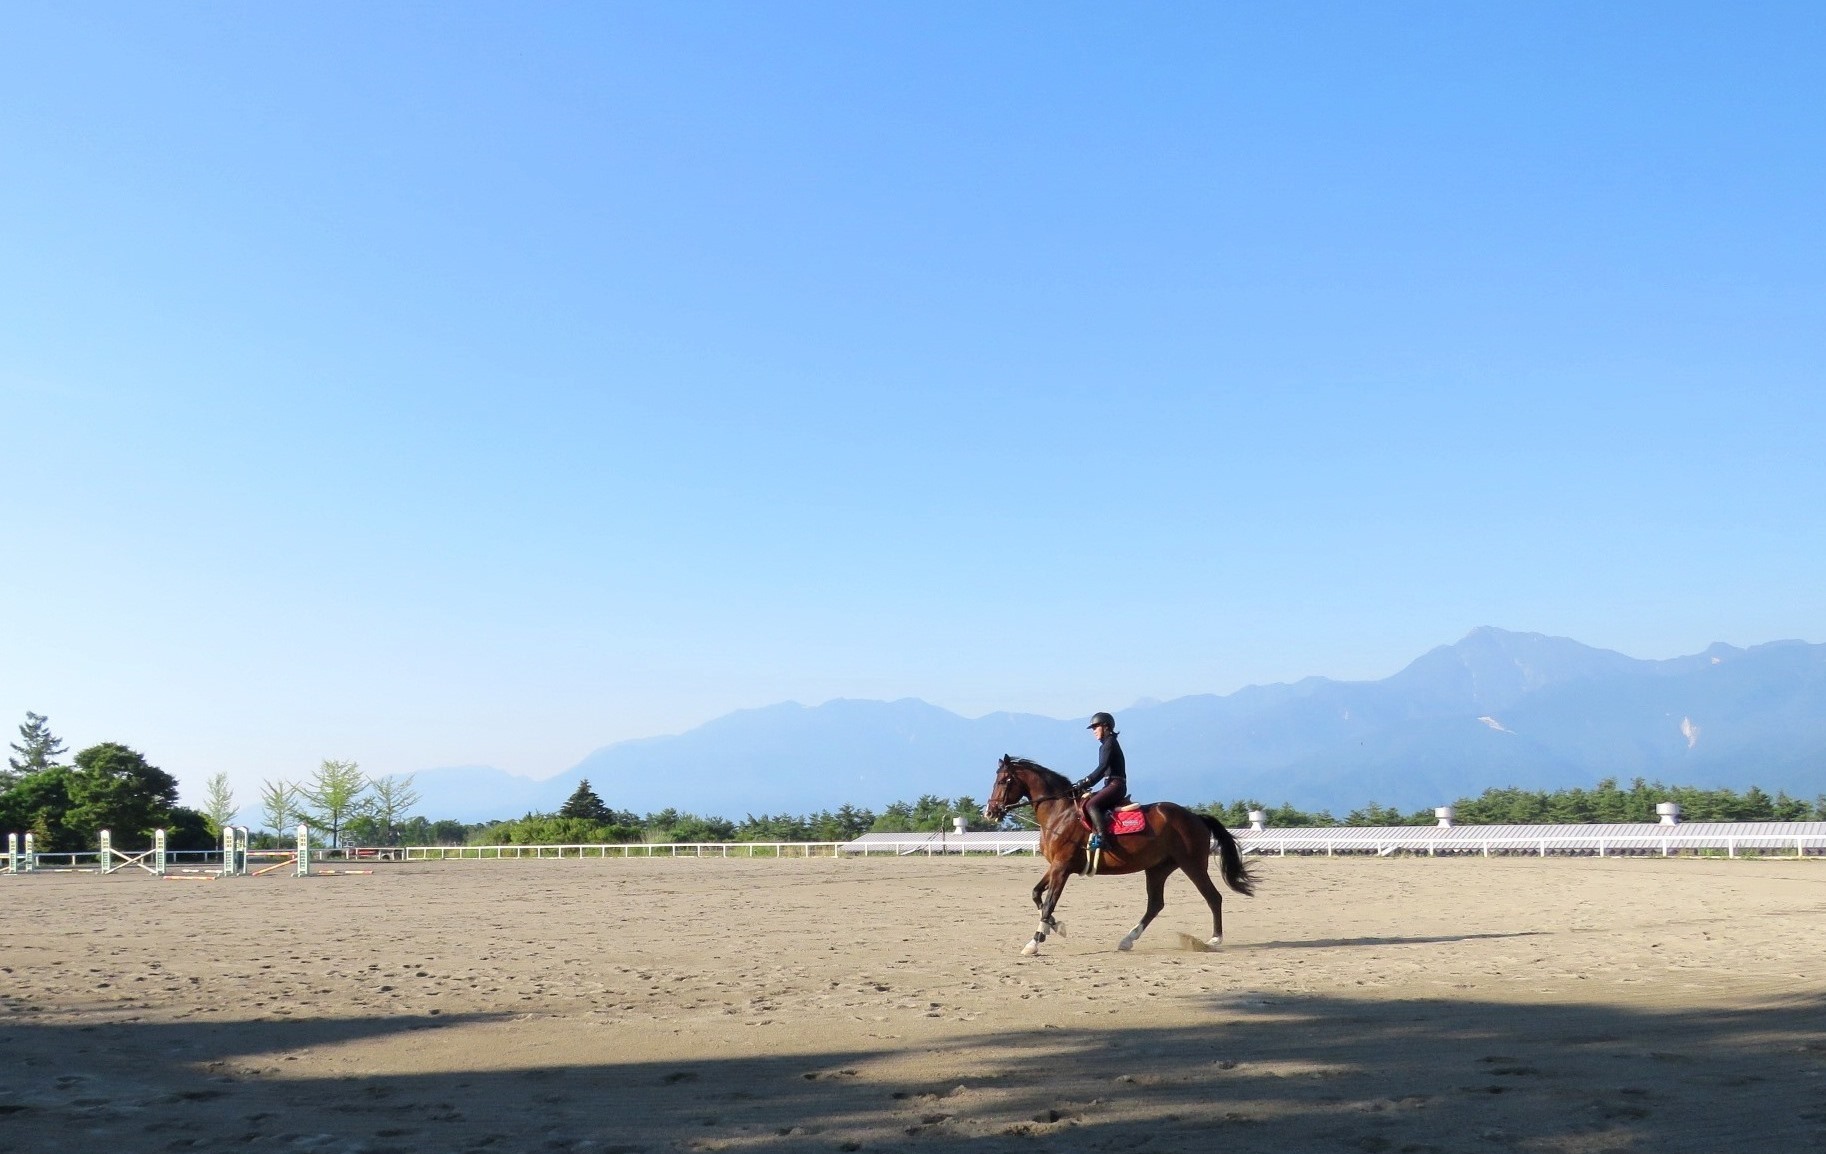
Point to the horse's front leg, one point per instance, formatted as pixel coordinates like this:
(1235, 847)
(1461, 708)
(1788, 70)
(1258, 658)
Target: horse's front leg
(1039, 893)
(1055, 884)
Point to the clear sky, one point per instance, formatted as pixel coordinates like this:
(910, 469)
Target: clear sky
(436, 384)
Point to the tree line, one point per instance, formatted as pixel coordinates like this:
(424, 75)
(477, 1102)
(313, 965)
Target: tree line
(585, 819)
(1606, 803)
(112, 786)
(107, 786)
(342, 804)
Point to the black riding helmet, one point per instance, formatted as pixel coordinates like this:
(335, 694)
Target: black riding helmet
(1103, 719)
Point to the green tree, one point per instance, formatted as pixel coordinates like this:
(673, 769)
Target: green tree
(584, 803)
(550, 829)
(40, 804)
(218, 803)
(392, 799)
(846, 824)
(422, 831)
(334, 794)
(897, 818)
(37, 750)
(671, 825)
(930, 814)
(278, 806)
(773, 827)
(115, 788)
(1373, 814)
(189, 829)
(1235, 815)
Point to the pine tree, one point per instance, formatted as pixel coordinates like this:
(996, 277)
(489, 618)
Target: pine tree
(585, 804)
(37, 752)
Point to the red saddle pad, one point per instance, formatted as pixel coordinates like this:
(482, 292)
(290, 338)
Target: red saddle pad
(1128, 821)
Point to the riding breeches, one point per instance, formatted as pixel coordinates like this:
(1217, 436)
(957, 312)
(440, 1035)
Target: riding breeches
(1097, 806)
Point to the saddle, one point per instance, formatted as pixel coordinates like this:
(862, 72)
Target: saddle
(1129, 817)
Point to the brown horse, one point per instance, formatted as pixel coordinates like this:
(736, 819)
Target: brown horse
(1174, 838)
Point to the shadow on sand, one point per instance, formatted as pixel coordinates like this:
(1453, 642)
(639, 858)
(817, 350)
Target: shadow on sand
(1270, 1073)
(1331, 943)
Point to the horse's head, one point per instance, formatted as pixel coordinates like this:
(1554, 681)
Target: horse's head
(1010, 790)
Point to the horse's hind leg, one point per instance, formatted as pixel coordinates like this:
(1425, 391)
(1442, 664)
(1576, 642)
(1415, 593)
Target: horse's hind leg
(1200, 874)
(1039, 893)
(1157, 901)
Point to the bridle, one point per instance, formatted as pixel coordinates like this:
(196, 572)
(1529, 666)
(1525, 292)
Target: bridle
(1007, 776)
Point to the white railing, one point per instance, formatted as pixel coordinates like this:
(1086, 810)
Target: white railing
(912, 844)
(1800, 839)
(1665, 841)
(619, 849)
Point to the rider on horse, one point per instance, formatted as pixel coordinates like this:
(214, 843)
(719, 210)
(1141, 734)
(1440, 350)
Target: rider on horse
(1112, 770)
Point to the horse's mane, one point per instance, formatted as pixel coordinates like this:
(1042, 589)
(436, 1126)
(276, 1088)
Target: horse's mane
(1051, 778)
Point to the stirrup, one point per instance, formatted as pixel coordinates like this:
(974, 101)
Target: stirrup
(1096, 841)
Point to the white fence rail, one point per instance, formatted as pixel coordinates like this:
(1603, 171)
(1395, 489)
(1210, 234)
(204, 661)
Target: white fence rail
(1793, 839)
(611, 849)
(1797, 839)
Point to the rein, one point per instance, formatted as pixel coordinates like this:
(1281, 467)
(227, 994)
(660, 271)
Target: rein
(1035, 801)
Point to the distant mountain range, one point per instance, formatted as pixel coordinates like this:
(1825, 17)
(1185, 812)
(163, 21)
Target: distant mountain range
(1497, 708)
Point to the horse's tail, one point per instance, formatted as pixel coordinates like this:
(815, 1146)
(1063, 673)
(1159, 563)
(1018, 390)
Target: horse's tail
(1236, 874)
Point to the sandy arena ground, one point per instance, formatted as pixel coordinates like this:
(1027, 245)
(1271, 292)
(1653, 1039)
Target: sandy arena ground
(1359, 1005)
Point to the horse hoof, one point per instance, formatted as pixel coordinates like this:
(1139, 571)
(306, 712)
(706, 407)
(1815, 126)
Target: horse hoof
(1126, 944)
(1031, 948)
(1213, 943)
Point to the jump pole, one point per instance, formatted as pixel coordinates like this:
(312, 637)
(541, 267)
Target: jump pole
(156, 855)
(301, 857)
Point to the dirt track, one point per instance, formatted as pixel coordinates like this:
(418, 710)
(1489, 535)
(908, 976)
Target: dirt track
(1359, 1005)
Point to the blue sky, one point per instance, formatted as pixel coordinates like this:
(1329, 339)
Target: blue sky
(481, 384)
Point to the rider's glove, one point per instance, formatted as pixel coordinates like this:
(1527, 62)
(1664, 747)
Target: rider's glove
(1083, 785)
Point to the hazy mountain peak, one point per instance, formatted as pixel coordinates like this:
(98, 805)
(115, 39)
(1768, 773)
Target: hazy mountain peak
(1490, 668)
(1495, 708)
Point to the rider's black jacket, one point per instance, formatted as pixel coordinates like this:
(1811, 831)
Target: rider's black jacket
(1110, 762)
